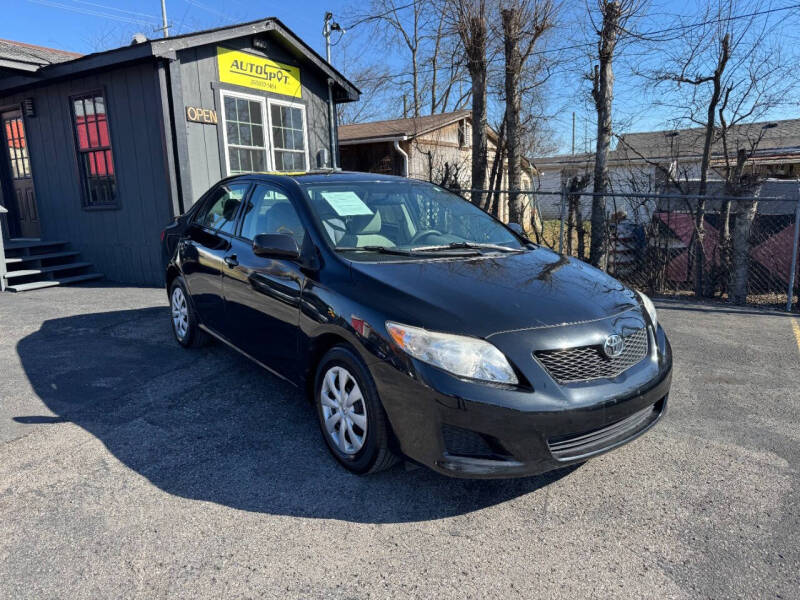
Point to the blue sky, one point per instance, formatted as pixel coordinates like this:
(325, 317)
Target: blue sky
(92, 25)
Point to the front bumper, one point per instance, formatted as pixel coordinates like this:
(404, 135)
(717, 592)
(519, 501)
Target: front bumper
(467, 429)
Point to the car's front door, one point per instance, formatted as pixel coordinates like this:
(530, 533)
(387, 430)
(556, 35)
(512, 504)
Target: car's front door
(203, 249)
(263, 294)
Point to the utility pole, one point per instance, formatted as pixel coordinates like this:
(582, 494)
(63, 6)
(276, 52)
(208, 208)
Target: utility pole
(328, 27)
(164, 22)
(573, 133)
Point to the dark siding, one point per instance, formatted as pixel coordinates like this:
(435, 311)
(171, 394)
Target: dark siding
(122, 243)
(198, 71)
(379, 157)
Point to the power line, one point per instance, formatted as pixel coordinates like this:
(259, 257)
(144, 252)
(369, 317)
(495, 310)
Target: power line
(591, 44)
(379, 16)
(97, 13)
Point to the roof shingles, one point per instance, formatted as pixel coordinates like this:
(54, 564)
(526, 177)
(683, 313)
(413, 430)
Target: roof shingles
(399, 127)
(33, 55)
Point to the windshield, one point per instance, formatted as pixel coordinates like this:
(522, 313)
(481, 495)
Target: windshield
(403, 216)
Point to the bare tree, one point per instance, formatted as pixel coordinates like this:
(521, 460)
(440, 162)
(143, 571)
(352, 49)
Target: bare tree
(615, 15)
(524, 22)
(720, 74)
(472, 28)
(428, 45)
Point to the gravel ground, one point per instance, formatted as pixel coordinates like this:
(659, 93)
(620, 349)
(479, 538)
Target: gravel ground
(130, 467)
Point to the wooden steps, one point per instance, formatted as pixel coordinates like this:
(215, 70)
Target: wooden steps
(37, 285)
(36, 264)
(47, 256)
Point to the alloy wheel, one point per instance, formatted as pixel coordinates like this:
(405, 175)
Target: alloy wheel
(344, 410)
(180, 313)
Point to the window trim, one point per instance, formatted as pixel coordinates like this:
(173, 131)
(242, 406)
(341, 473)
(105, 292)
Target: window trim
(265, 121)
(302, 107)
(83, 185)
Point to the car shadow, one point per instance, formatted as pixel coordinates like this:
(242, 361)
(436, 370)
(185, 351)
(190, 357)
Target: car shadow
(209, 425)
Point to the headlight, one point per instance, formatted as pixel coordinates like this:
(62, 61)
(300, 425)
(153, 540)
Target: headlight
(460, 355)
(650, 308)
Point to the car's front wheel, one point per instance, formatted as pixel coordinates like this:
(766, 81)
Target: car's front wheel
(184, 320)
(350, 413)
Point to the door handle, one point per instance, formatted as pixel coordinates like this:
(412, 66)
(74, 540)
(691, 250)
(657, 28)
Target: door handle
(231, 260)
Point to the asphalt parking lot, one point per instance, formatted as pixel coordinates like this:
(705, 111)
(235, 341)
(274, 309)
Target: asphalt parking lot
(130, 467)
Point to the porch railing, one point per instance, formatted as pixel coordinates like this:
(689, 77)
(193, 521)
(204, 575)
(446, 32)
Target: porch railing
(2, 251)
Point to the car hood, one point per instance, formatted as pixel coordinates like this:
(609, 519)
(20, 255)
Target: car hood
(485, 295)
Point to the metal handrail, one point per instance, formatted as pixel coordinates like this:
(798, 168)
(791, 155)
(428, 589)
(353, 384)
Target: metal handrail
(2, 253)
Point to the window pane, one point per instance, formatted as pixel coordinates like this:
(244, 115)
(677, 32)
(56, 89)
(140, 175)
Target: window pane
(93, 144)
(245, 138)
(244, 134)
(299, 142)
(220, 211)
(297, 120)
(100, 160)
(258, 161)
(83, 135)
(277, 137)
(255, 112)
(109, 162)
(233, 156)
(233, 132)
(242, 109)
(288, 134)
(102, 125)
(230, 108)
(247, 163)
(270, 211)
(94, 138)
(258, 135)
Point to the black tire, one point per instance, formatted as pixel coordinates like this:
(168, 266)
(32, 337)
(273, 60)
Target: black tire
(194, 337)
(375, 454)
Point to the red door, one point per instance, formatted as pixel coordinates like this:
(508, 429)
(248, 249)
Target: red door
(23, 214)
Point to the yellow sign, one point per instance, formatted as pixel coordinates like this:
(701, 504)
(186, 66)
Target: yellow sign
(241, 68)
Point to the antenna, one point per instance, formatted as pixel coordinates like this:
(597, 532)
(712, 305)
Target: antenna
(164, 29)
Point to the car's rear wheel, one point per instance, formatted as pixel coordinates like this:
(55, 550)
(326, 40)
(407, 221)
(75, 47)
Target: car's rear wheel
(184, 320)
(350, 413)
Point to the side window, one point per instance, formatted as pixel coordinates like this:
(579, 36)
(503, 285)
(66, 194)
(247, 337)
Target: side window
(270, 211)
(219, 212)
(288, 137)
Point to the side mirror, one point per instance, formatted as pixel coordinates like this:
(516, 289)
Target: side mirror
(276, 245)
(517, 229)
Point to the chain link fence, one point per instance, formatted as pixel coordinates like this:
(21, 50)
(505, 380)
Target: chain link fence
(741, 249)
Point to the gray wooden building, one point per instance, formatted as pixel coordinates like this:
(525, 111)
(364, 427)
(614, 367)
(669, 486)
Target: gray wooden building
(101, 151)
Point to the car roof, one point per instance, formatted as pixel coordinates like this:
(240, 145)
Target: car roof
(321, 176)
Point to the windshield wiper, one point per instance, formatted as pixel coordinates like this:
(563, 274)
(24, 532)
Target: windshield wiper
(467, 246)
(400, 251)
(378, 249)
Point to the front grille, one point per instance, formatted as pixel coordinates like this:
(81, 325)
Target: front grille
(589, 362)
(571, 447)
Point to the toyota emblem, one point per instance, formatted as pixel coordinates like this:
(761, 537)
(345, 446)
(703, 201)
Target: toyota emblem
(614, 346)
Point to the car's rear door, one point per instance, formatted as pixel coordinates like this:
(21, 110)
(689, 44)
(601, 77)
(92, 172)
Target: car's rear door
(263, 294)
(203, 249)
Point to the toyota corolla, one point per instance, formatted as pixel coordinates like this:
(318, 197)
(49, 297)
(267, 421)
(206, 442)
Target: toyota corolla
(420, 327)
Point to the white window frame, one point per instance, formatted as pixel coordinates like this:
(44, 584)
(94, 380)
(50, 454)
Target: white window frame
(272, 149)
(265, 121)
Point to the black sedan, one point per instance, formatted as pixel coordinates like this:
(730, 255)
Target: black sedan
(418, 325)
